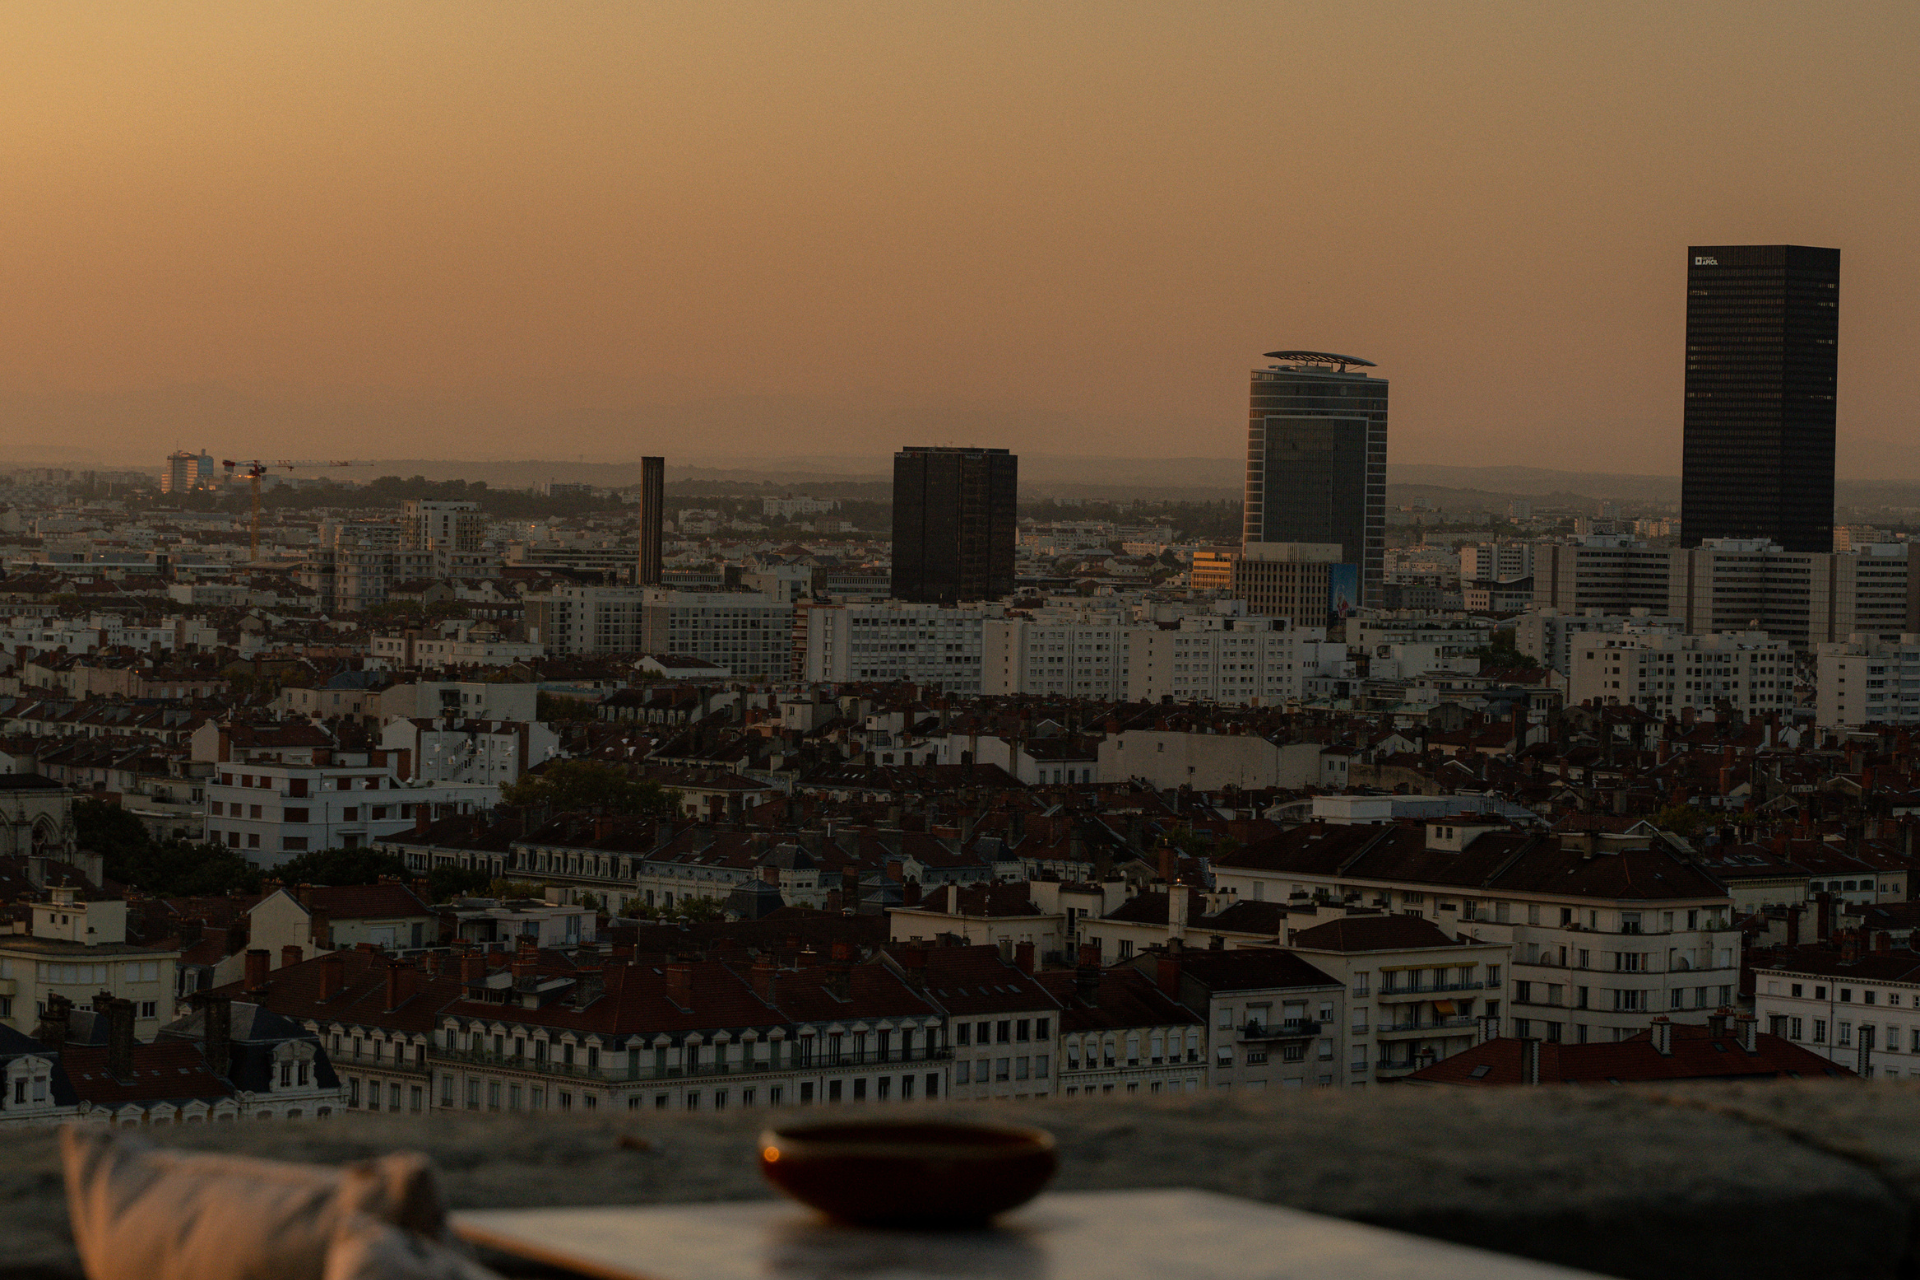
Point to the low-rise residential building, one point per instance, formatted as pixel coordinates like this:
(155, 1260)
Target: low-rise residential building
(1247, 660)
(1003, 1025)
(275, 812)
(1853, 1004)
(1604, 930)
(1121, 1034)
(1273, 1020)
(1746, 673)
(1416, 994)
(1072, 652)
(577, 1034)
(1726, 1049)
(930, 644)
(1867, 680)
(992, 915)
(470, 752)
(225, 1062)
(77, 949)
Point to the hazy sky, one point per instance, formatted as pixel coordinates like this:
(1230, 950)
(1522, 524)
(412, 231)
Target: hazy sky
(549, 229)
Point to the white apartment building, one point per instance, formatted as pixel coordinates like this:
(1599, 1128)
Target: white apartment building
(1415, 993)
(1867, 680)
(1251, 661)
(929, 644)
(403, 652)
(573, 620)
(275, 812)
(78, 948)
(1271, 1020)
(471, 752)
(748, 633)
(1608, 572)
(1081, 653)
(1377, 633)
(1661, 674)
(1861, 1010)
(1802, 597)
(452, 534)
(465, 699)
(1604, 931)
(1496, 561)
(1548, 635)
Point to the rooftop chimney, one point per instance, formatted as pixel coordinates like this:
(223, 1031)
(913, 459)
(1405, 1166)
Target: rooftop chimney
(1086, 974)
(291, 954)
(1747, 1027)
(913, 962)
(1717, 1022)
(259, 964)
(763, 971)
(52, 1028)
(1849, 946)
(119, 1037)
(1530, 1061)
(1168, 974)
(398, 988)
(680, 983)
(473, 967)
(1178, 903)
(333, 976)
(216, 1040)
(1663, 1036)
(1023, 956)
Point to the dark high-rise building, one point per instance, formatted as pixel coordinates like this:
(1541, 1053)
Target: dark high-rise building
(954, 512)
(1763, 323)
(1317, 459)
(648, 571)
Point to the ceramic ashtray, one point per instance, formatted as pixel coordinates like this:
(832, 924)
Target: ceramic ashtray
(908, 1174)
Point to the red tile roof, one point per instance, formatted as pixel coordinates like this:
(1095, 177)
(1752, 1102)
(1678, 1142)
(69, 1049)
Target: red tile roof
(1697, 1055)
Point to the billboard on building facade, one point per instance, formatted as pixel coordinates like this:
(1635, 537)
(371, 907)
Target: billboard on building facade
(1343, 589)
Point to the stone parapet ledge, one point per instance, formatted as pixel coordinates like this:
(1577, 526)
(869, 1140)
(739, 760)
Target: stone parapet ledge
(1701, 1181)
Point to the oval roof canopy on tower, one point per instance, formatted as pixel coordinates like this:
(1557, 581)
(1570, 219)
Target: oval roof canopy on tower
(1320, 357)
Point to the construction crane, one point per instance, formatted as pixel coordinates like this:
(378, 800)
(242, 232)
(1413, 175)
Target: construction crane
(254, 471)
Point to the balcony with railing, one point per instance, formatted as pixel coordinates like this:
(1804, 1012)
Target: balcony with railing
(1290, 1029)
(1416, 1028)
(1405, 992)
(615, 1067)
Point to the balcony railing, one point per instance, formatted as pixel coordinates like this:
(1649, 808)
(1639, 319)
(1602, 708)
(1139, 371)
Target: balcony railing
(616, 1066)
(1291, 1029)
(1438, 988)
(1438, 1024)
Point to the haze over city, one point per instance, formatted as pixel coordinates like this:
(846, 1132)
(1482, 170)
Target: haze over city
(722, 230)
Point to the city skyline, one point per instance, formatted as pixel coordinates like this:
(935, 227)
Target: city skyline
(618, 233)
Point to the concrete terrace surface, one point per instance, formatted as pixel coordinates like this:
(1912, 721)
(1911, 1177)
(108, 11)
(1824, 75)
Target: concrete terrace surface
(1752, 1181)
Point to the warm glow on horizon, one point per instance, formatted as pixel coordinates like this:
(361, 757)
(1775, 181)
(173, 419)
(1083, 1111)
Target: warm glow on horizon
(555, 230)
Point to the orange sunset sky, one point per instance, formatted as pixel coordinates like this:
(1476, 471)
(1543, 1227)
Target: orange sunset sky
(498, 230)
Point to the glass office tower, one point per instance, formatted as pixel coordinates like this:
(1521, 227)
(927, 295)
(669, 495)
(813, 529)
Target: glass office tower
(1763, 327)
(1317, 459)
(954, 512)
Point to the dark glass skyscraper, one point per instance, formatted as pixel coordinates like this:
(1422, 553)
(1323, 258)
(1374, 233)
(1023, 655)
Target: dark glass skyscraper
(953, 522)
(653, 514)
(1317, 459)
(1763, 327)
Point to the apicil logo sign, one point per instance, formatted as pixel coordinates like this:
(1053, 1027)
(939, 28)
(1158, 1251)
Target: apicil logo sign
(1705, 260)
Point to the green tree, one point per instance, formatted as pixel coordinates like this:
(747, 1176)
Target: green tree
(341, 866)
(587, 784)
(168, 868)
(1683, 820)
(445, 883)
